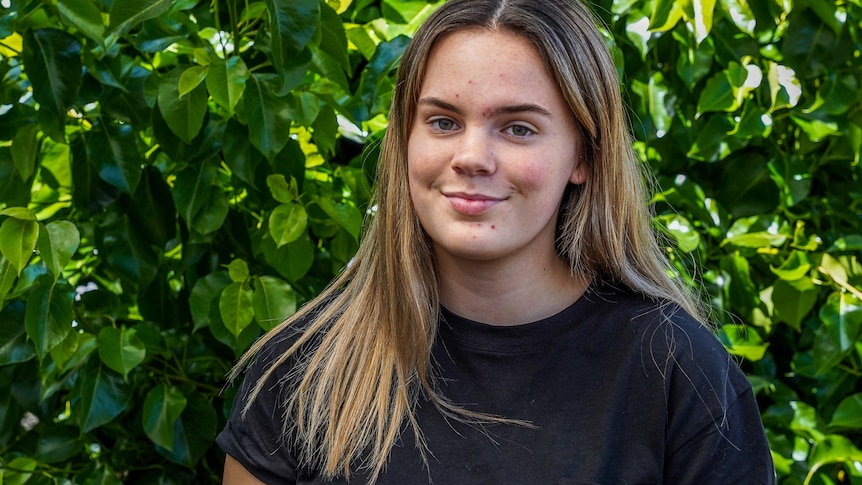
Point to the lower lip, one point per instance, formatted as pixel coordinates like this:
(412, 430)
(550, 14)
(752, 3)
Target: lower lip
(472, 207)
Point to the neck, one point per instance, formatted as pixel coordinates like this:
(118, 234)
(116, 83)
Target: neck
(509, 294)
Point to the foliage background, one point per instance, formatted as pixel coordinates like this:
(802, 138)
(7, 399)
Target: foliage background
(178, 176)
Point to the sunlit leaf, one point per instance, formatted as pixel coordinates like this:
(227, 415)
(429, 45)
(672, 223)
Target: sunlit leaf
(849, 413)
(190, 79)
(287, 223)
(18, 240)
(204, 297)
(57, 242)
(794, 299)
(743, 341)
(235, 306)
(25, 146)
(184, 114)
(226, 81)
(273, 301)
(121, 349)
(238, 270)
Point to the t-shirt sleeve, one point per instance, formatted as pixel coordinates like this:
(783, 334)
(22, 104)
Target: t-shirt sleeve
(256, 440)
(714, 431)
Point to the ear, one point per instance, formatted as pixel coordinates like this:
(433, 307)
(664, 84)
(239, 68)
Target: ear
(579, 171)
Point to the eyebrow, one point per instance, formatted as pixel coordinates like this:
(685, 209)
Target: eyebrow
(501, 110)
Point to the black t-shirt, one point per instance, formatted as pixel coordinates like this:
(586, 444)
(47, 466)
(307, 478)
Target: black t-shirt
(620, 390)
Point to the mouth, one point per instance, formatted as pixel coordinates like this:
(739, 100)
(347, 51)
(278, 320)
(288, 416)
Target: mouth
(471, 204)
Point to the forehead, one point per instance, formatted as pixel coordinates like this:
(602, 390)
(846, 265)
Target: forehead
(479, 63)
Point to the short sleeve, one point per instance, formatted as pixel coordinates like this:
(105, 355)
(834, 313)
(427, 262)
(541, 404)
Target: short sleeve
(256, 439)
(726, 444)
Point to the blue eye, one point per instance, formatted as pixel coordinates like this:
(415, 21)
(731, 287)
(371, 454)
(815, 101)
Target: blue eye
(443, 124)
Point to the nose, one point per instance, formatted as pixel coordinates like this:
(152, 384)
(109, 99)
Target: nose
(474, 153)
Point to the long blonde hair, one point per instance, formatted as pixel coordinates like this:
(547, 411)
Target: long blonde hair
(373, 328)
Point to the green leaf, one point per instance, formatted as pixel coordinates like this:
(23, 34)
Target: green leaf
(120, 349)
(190, 79)
(268, 120)
(384, 60)
(665, 15)
(292, 260)
(18, 240)
(126, 14)
(184, 114)
(793, 300)
(204, 297)
(53, 64)
(48, 318)
(242, 160)
(834, 449)
(113, 149)
(162, 408)
(287, 223)
(273, 301)
(99, 396)
(235, 306)
(8, 275)
(128, 254)
(25, 146)
(194, 432)
(14, 347)
(58, 444)
(84, 15)
(291, 26)
(238, 270)
(153, 212)
(841, 319)
(743, 341)
(699, 14)
(57, 242)
(347, 216)
(18, 471)
(684, 233)
(741, 292)
(849, 413)
(745, 187)
(794, 267)
(717, 95)
(280, 189)
(226, 82)
(199, 199)
(13, 190)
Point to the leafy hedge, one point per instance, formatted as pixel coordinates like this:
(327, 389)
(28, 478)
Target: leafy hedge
(176, 177)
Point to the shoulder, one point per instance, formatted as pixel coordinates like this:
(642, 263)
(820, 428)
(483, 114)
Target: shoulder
(670, 344)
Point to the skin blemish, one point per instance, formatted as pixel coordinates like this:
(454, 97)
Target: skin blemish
(493, 226)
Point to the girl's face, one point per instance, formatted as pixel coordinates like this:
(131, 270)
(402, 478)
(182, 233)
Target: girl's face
(491, 150)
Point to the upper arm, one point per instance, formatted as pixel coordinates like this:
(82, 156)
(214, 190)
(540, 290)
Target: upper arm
(236, 474)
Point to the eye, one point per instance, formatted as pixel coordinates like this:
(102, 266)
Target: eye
(519, 131)
(444, 124)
